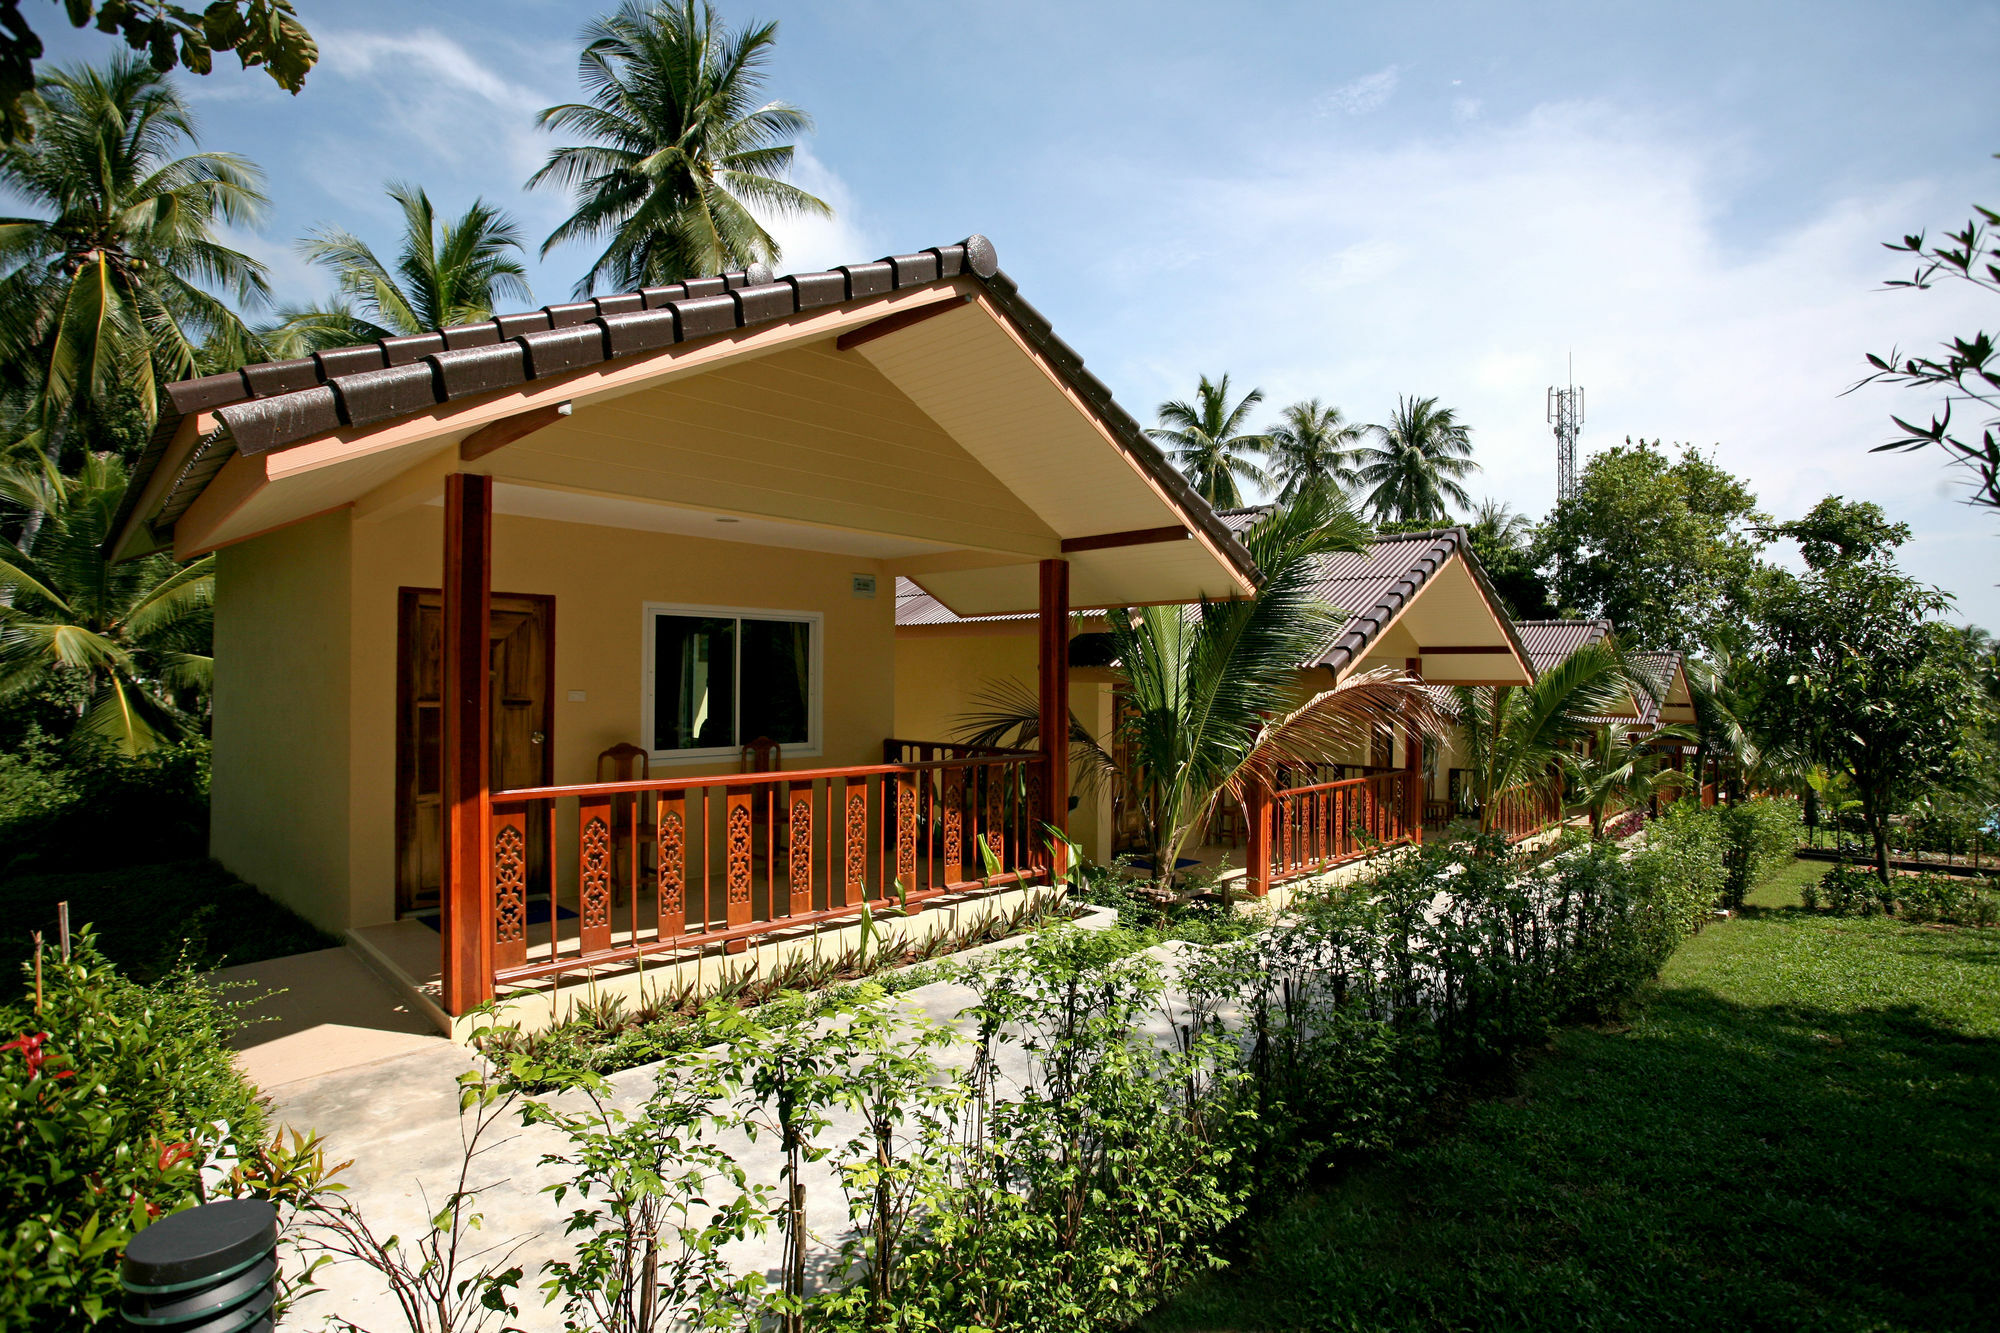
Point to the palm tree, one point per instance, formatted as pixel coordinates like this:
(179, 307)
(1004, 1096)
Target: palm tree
(1312, 446)
(1517, 735)
(1416, 465)
(445, 273)
(1206, 439)
(136, 636)
(679, 153)
(1621, 760)
(1495, 521)
(111, 291)
(1215, 694)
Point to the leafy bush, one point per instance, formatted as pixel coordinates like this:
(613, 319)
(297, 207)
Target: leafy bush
(1761, 837)
(1853, 890)
(61, 809)
(151, 918)
(1685, 865)
(111, 1094)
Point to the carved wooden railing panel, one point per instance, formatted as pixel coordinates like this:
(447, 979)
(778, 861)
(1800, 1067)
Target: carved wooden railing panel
(1327, 824)
(670, 862)
(661, 864)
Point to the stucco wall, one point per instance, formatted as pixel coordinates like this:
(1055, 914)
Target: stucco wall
(281, 743)
(940, 676)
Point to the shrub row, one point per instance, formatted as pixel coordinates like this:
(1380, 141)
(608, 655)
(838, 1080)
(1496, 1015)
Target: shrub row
(1761, 837)
(112, 1095)
(1852, 890)
(1098, 1120)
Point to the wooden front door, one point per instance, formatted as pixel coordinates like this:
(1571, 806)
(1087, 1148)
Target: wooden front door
(521, 677)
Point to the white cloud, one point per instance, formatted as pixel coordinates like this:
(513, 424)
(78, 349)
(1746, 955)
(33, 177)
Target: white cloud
(1471, 267)
(436, 93)
(1362, 95)
(1464, 109)
(810, 243)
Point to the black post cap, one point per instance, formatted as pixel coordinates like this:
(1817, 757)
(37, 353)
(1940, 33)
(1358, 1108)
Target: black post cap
(199, 1245)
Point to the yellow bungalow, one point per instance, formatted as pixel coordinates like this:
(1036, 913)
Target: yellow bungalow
(567, 640)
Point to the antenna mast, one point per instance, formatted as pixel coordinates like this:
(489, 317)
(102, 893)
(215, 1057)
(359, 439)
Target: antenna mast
(1566, 416)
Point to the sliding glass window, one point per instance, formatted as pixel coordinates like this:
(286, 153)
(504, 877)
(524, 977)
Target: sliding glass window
(720, 680)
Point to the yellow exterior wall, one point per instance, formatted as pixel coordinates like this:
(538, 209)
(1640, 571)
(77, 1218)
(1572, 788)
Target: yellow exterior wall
(940, 676)
(281, 735)
(305, 731)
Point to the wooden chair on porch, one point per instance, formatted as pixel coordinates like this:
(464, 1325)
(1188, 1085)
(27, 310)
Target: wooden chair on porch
(626, 762)
(764, 755)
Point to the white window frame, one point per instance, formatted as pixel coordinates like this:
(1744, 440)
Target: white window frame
(648, 691)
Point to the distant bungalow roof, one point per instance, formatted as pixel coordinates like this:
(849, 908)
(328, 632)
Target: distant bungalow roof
(1370, 585)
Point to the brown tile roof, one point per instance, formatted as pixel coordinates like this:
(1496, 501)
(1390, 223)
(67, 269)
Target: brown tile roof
(1370, 585)
(274, 404)
(1656, 672)
(1550, 642)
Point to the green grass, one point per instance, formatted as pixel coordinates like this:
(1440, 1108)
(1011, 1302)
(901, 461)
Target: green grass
(144, 914)
(1796, 1130)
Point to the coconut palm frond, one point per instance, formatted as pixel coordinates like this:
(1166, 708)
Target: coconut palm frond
(684, 163)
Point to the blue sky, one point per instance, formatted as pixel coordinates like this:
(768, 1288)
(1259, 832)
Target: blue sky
(1340, 201)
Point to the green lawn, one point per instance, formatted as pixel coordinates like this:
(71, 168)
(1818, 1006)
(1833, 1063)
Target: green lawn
(1797, 1130)
(143, 914)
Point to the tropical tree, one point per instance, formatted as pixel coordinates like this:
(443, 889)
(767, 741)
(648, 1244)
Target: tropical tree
(1503, 541)
(1966, 370)
(1619, 762)
(1855, 663)
(1665, 548)
(454, 272)
(1518, 736)
(260, 32)
(1313, 445)
(132, 639)
(1215, 692)
(681, 156)
(109, 291)
(1206, 438)
(1416, 463)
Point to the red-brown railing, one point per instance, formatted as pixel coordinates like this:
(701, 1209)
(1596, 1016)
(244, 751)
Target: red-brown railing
(673, 863)
(1330, 823)
(1710, 793)
(1523, 814)
(896, 751)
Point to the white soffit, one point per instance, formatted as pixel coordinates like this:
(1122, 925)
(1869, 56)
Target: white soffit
(971, 377)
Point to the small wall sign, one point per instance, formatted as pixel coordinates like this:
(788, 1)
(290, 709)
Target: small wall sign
(864, 585)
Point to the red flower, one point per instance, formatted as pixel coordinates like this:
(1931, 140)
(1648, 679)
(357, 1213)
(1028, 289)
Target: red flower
(30, 1044)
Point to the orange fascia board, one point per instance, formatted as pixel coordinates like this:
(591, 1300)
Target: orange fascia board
(608, 377)
(187, 438)
(227, 491)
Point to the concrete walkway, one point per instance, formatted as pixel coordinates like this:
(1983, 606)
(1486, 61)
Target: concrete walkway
(397, 1120)
(318, 1015)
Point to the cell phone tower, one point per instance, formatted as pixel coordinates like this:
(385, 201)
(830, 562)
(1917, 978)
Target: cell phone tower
(1566, 416)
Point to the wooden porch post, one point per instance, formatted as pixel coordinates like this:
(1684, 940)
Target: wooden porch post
(466, 898)
(1053, 678)
(1413, 750)
(1257, 838)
